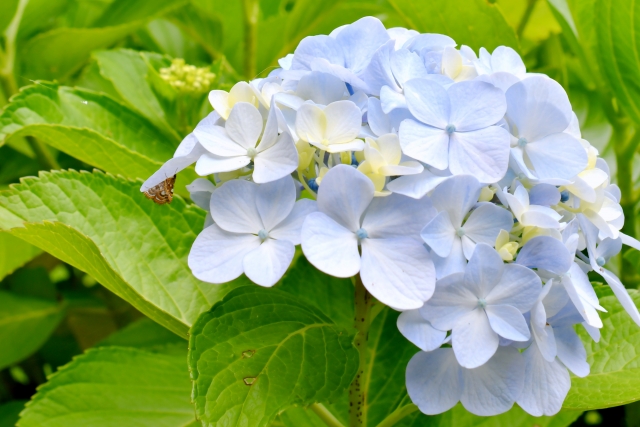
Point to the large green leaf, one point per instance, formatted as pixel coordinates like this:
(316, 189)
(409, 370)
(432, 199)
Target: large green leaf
(9, 413)
(115, 386)
(89, 126)
(25, 324)
(103, 225)
(127, 71)
(615, 362)
(475, 23)
(617, 26)
(14, 253)
(262, 350)
(144, 334)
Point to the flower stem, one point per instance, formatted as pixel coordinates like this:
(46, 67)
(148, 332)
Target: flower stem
(525, 17)
(327, 417)
(359, 386)
(251, 10)
(397, 415)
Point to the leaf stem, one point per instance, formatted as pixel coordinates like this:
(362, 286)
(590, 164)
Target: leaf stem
(251, 13)
(7, 78)
(525, 18)
(325, 415)
(397, 415)
(358, 389)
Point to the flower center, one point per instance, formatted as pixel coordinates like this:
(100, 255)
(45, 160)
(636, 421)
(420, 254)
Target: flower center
(263, 234)
(522, 142)
(251, 152)
(601, 261)
(564, 196)
(451, 128)
(460, 232)
(482, 303)
(362, 234)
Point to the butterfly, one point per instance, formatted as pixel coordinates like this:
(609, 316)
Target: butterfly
(163, 192)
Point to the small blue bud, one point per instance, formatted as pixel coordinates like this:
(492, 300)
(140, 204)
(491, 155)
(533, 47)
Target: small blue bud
(515, 220)
(354, 161)
(482, 303)
(451, 128)
(312, 185)
(564, 196)
(263, 234)
(601, 261)
(522, 142)
(362, 234)
(350, 89)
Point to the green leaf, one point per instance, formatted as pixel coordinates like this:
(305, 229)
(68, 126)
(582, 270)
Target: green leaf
(475, 23)
(615, 362)
(297, 417)
(121, 11)
(144, 334)
(331, 295)
(14, 253)
(259, 351)
(9, 413)
(25, 324)
(7, 11)
(617, 25)
(201, 26)
(113, 386)
(128, 72)
(104, 226)
(89, 126)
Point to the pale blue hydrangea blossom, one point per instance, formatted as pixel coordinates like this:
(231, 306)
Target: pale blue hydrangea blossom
(458, 186)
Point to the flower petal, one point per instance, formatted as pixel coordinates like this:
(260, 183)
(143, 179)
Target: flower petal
(428, 102)
(266, 264)
(482, 153)
(518, 287)
(419, 331)
(216, 255)
(473, 340)
(344, 119)
(275, 201)
(450, 302)
(311, 123)
(209, 163)
(439, 234)
(425, 143)
(571, 351)
(344, 195)
(486, 221)
(457, 196)
(233, 207)
(174, 165)
(475, 105)
(397, 216)
(277, 161)
(329, 246)
(433, 381)
(291, 227)
(484, 271)
(244, 124)
(557, 156)
(546, 253)
(398, 272)
(508, 322)
(360, 40)
(416, 186)
(321, 88)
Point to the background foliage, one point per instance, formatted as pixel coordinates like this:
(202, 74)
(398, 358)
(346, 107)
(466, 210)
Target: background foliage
(96, 299)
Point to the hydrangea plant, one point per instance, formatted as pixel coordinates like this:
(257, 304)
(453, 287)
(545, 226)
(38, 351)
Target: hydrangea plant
(452, 186)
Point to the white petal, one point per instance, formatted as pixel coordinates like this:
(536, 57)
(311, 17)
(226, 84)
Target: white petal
(508, 322)
(571, 351)
(538, 106)
(311, 123)
(360, 40)
(484, 271)
(439, 234)
(321, 88)
(391, 100)
(454, 263)
(493, 388)
(355, 145)
(291, 227)
(313, 47)
(398, 272)
(219, 100)
(276, 161)
(267, 264)
(173, 166)
(519, 287)
(456, 196)
(433, 381)
(546, 384)
(407, 65)
(217, 141)
(506, 59)
(416, 186)
(425, 143)
(547, 253)
(428, 102)
(244, 124)
(329, 246)
(500, 79)
(216, 255)
(482, 153)
(378, 72)
(451, 301)
(419, 331)
(557, 156)
(486, 221)
(473, 340)
(344, 119)
(475, 105)
(209, 163)
(622, 294)
(544, 195)
(396, 216)
(275, 200)
(233, 207)
(344, 195)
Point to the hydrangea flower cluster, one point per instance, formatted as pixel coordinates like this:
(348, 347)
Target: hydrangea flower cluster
(456, 185)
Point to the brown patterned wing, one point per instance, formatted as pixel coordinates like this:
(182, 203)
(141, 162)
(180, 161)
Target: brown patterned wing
(163, 192)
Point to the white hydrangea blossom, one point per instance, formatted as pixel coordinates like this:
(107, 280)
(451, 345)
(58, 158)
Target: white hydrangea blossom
(456, 184)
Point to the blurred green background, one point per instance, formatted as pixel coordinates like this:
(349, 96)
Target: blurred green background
(132, 52)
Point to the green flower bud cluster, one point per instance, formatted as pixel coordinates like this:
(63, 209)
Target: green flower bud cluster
(187, 78)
